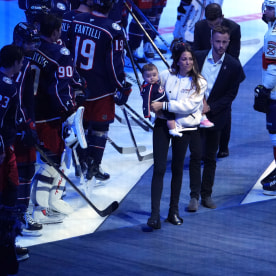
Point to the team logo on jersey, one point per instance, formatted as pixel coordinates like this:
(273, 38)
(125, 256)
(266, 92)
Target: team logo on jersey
(161, 89)
(116, 27)
(7, 80)
(61, 6)
(65, 51)
(271, 46)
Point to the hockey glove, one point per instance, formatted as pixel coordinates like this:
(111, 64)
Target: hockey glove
(80, 91)
(29, 135)
(80, 97)
(261, 99)
(122, 95)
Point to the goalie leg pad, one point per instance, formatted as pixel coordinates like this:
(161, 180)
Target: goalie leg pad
(42, 185)
(55, 201)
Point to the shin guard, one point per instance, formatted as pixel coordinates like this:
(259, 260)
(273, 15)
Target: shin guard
(42, 184)
(55, 199)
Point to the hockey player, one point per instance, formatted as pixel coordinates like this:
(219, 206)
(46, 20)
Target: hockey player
(11, 61)
(188, 13)
(99, 58)
(26, 37)
(68, 17)
(269, 84)
(181, 25)
(54, 103)
(152, 9)
(34, 9)
(118, 13)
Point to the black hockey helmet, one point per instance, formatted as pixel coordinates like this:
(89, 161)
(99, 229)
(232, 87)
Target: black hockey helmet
(59, 7)
(24, 32)
(27, 4)
(35, 12)
(103, 6)
(35, 8)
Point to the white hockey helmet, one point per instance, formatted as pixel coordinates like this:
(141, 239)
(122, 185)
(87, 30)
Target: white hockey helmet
(269, 3)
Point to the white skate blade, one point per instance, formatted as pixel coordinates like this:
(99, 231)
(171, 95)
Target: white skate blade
(31, 233)
(269, 193)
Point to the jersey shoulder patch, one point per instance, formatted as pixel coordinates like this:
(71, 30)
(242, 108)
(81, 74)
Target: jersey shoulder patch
(116, 27)
(64, 51)
(161, 89)
(7, 80)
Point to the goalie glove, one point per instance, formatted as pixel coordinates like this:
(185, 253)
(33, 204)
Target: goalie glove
(122, 95)
(261, 99)
(73, 129)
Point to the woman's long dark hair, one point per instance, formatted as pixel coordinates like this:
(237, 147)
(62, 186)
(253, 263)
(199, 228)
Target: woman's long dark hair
(177, 48)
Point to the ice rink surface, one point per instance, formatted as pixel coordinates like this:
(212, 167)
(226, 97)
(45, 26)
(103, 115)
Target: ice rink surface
(125, 169)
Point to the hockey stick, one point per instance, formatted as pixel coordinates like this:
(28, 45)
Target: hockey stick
(132, 62)
(139, 85)
(139, 116)
(103, 213)
(137, 65)
(201, 4)
(149, 23)
(125, 150)
(144, 126)
(131, 78)
(119, 119)
(140, 157)
(135, 122)
(147, 35)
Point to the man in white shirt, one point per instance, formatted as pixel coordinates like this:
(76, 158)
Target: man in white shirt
(224, 74)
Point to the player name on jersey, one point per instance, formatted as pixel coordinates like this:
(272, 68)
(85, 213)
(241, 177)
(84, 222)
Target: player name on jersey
(86, 30)
(38, 58)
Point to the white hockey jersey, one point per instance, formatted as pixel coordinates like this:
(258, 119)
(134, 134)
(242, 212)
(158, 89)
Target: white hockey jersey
(270, 41)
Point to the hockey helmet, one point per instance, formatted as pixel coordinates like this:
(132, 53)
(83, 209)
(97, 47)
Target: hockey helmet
(59, 7)
(24, 32)
(34, 13)
(269, 3)
(103, 5)
(26, 4)
(34, 8)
